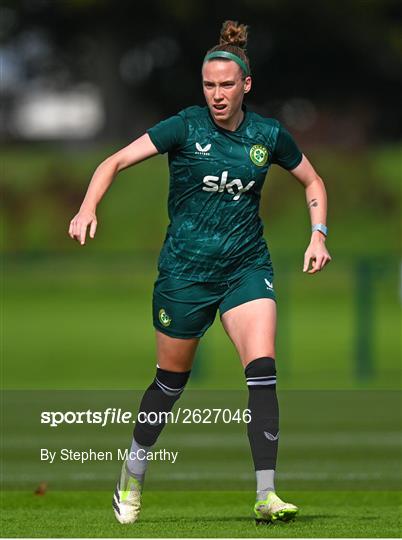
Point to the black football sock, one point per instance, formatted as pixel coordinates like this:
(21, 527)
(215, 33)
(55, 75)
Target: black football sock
(160, 397)
(263, 429)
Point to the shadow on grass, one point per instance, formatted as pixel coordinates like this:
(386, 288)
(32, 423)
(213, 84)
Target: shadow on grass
(199, 520)
(240, 519)
(307, 517)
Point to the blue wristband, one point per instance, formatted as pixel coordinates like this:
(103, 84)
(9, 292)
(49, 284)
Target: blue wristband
(320, 227)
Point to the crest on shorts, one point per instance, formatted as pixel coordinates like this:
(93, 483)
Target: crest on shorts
(259, 155)
(164, 318)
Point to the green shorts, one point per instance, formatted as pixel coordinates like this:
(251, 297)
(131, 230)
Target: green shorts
(186, 309)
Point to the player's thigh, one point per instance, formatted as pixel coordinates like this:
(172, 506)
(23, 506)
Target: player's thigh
(248, 313)
(175, 354)
(182, 312)
(183, 309)
(252, 327)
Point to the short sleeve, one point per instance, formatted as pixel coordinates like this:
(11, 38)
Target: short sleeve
(287, 153)
(168, 134)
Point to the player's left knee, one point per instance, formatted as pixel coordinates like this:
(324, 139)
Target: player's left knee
(261, 372)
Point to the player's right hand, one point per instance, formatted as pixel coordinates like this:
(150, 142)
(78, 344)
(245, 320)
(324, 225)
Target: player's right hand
(79, 224)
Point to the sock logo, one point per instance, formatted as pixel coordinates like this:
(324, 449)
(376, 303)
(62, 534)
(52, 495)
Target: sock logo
(271, 437)
(153, 422)
(164, 317)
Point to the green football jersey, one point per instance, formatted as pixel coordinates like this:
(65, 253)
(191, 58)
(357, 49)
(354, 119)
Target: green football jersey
(216, 177)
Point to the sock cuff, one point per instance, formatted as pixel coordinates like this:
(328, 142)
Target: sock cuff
(261, 372)
(171, 383)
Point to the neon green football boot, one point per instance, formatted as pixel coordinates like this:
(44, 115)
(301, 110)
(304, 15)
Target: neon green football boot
(273, 509)
(127, 497)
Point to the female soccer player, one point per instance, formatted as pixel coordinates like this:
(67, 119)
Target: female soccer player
(214, 255)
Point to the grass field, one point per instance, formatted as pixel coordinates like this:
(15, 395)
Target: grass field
(78, 330)
(339, 460)
(86, 325)
(201, 514)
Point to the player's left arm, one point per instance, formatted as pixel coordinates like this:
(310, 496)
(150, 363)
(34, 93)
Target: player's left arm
(316, 198)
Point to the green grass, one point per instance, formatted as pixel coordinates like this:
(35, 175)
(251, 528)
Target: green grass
(203, 514)
(80, 318)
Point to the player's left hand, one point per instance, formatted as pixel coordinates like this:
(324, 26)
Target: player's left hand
(318, 254)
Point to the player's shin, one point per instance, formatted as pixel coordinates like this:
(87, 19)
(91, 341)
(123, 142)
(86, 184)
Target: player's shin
(158, 400)
(263, 429)
(263, 433)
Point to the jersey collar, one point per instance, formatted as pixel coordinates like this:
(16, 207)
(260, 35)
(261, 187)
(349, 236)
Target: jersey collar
(239, 127)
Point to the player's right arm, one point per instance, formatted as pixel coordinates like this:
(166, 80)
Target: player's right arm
(139, 150)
